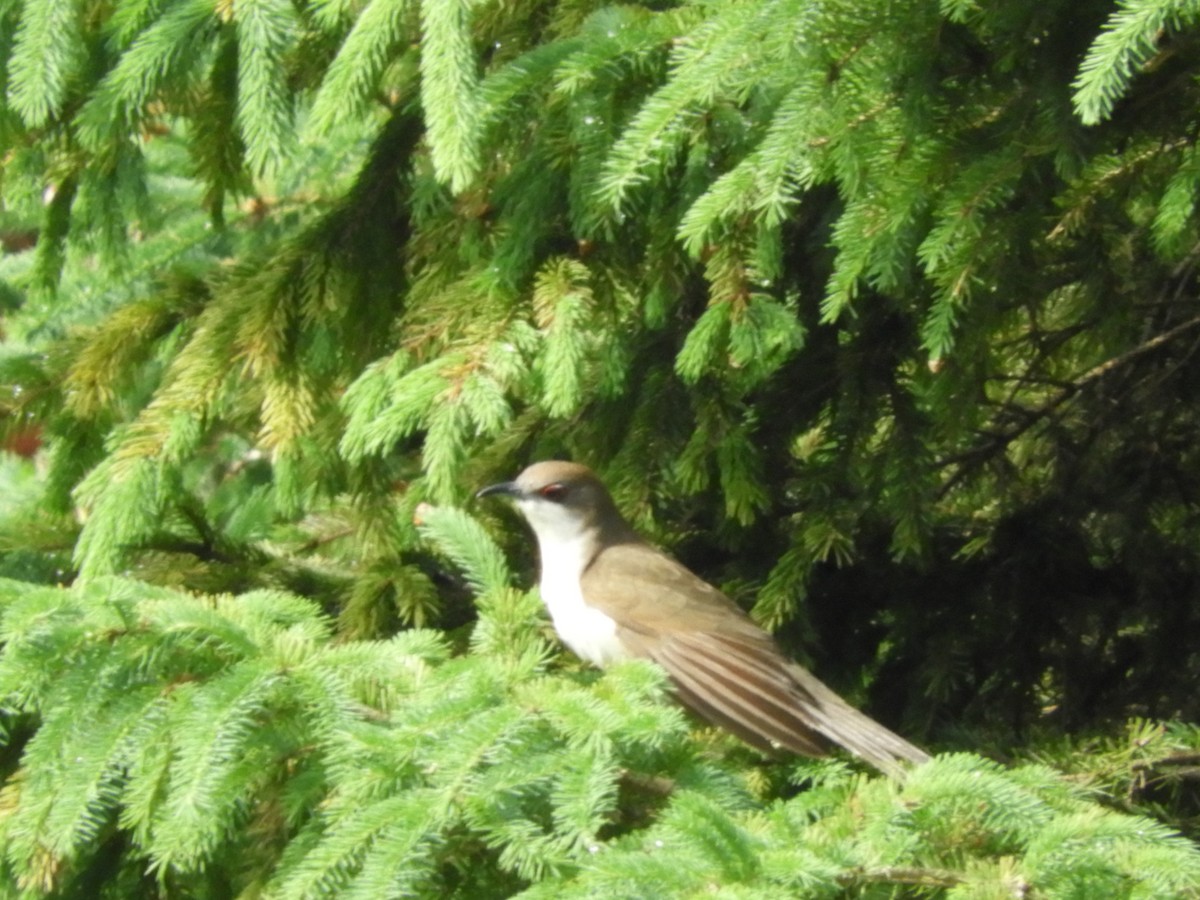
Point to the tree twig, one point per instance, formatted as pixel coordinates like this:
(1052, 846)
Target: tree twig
(997, 441)
(918, 877)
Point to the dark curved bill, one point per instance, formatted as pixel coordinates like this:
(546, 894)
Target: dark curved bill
(506, 488)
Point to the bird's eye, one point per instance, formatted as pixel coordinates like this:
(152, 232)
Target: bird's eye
(556, 492)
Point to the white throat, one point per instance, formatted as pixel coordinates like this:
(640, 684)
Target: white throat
(566, 545)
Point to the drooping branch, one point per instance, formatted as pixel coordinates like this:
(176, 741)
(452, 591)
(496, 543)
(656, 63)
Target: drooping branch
(997, 441)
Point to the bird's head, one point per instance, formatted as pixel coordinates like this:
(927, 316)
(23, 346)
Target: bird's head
(560, 500)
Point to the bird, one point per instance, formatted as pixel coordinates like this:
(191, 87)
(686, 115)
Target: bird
(613, 596)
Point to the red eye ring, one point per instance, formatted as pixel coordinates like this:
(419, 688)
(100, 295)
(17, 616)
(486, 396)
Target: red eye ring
(556, 491)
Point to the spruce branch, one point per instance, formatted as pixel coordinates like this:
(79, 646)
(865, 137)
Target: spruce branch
(905, 875)
(449, 94)
(352, 80)
(1129, 39)
(265, 33)
(157, 55)
(997, 442)
(465, 542)
(739, 235)
(656, 785)
(46, 54)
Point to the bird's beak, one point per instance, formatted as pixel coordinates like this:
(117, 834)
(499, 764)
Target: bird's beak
(507, 488)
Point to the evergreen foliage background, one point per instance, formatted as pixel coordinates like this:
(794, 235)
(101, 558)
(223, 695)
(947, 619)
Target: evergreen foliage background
(883, 316)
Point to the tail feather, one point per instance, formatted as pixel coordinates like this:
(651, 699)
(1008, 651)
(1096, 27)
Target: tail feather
(743, 684)
(856, 731)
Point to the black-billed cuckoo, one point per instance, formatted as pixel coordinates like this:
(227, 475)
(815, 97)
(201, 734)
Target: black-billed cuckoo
(612, 596)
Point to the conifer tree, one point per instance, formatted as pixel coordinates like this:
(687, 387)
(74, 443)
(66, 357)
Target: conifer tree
(880, 315)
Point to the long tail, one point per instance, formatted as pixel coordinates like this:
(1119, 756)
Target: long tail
(846, 726)
(743, 684)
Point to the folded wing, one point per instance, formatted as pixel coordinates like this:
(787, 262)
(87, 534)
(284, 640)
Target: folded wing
(728, 670)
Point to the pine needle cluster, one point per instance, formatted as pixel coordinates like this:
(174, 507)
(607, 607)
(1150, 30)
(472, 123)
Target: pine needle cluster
(882, 316)
(183, 746)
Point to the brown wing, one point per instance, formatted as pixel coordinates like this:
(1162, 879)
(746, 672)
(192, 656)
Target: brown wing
(741, 688)
(634, 583)
(725, 668)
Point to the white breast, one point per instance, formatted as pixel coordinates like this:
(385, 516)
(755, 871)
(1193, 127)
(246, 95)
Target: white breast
(589, 633)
